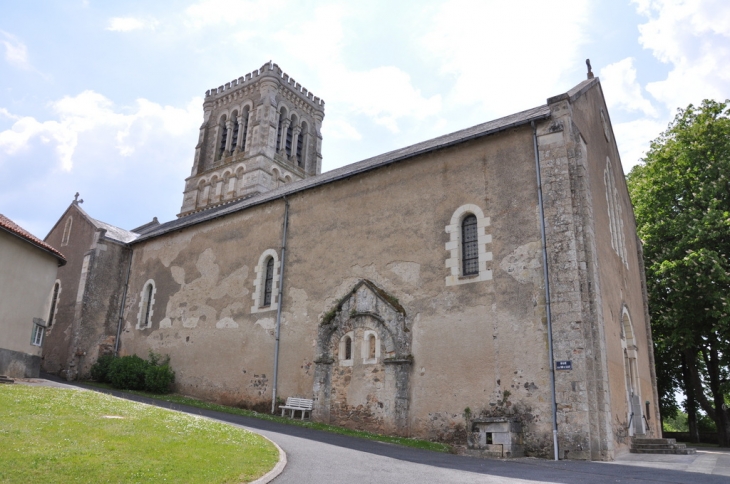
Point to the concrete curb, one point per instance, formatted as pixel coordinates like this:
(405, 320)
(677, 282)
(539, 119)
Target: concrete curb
(278, 468)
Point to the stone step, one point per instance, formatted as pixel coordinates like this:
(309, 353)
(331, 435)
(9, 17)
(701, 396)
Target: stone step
(653, 441)
(658, 446)
(664, 451)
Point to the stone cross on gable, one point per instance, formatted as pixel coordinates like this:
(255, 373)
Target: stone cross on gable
(76, 199)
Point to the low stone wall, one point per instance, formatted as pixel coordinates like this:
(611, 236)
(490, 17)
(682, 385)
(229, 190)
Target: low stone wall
(705, 437)
(19, 365)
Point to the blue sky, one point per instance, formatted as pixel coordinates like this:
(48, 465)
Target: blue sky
(105, 98)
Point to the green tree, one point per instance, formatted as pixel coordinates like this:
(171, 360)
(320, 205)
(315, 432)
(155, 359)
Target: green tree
(681, 197)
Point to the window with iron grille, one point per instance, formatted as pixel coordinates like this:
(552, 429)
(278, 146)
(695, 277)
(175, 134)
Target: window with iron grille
(469, 246)
(269, 281)
(54, 301)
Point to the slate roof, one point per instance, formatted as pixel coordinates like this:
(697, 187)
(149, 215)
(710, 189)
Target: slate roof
(115, 233)
(501, 124)
(9, 226)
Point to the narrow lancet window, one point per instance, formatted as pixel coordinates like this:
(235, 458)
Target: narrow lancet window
(54, 301)
(245, 128)
(269, 281)
(148, 305)
(348, 348)
(234, 140)
(300, 143)
(289, 133)
(469, 246)
(371, 347)
(224, 138)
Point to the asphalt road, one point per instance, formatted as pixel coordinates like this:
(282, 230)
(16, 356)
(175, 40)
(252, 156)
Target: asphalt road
(316, 457)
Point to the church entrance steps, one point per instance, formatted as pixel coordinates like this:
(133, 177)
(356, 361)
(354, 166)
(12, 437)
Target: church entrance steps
(659, 446)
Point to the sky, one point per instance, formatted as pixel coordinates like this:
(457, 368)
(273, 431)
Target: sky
(105, 98)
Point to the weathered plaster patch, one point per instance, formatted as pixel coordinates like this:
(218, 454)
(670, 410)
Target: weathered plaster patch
(166, 249)
(267, 323)
(409, 272)
(226, 323)
(524, 264)
(189, 306)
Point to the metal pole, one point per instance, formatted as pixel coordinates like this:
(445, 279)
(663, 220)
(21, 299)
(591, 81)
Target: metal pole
(278, 307)
(547, 291)
(124, 301)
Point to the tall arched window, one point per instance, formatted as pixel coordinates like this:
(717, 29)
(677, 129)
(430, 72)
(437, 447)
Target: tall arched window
(146, 305)
(269, 281)
(234, 136)
(348, 348)
(371, 347)
(54, 302)
(280, 129)
(67, 231)
(224, 137)
(289, 134)
(469, 246)
(244, 121)
(300, 145)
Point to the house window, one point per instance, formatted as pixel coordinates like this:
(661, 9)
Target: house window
(269, 281)
(36, 338)
(54, 302)
(469, 246)
(146, 305)
(67, 231)
(469, 259)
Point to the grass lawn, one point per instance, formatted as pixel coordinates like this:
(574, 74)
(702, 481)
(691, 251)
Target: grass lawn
(57, 435)
(174, 398)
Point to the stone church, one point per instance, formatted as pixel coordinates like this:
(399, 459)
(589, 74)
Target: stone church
(483, 287)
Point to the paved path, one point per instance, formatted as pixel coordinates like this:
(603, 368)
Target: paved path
(316, 457)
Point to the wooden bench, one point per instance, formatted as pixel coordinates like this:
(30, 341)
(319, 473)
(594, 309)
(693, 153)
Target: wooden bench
(302, 404)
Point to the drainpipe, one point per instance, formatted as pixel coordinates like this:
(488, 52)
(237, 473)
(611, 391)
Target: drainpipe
(278, 308)
(547, 291)
(124, 301)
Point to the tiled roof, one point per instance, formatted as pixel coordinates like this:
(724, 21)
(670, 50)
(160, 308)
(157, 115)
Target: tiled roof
(15, 229)
(477, 131)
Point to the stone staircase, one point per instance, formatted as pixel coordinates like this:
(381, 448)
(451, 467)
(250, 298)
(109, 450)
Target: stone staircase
(659, 446)
(4, 379)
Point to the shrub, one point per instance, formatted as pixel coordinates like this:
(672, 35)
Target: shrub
(159, 378)
(100, 369)
(128, 372)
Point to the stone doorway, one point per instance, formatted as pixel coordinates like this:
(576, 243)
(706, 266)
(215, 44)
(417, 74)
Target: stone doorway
(362, 373)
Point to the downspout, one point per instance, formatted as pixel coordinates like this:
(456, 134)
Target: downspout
(124, 301)
(278, 307)
(547, 291)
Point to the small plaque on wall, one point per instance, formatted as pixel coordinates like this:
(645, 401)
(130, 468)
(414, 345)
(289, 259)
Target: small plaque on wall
(564, 365)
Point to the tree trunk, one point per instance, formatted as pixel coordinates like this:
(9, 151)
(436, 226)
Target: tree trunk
(689, 391)
(721, 417)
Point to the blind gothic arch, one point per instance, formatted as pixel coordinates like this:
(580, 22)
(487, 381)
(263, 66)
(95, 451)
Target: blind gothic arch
(467, 246)
(260, 286)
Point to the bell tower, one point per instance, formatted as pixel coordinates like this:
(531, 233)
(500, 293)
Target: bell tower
(259, 132)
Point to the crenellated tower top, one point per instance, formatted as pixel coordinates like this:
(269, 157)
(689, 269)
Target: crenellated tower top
(259, 131)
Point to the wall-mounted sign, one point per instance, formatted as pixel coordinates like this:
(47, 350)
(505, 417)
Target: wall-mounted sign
(564, 365)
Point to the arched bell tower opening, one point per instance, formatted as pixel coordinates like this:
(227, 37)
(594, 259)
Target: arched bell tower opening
(363, 364)
(262, 121)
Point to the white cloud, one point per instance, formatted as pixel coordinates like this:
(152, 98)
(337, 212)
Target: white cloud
(633, 139)
(339, 128)
(622, 90)
(385, 94)
(127, 24)
(92, 112)
(693, 36)
(16, 53)
(498, 51)
(211, 12)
